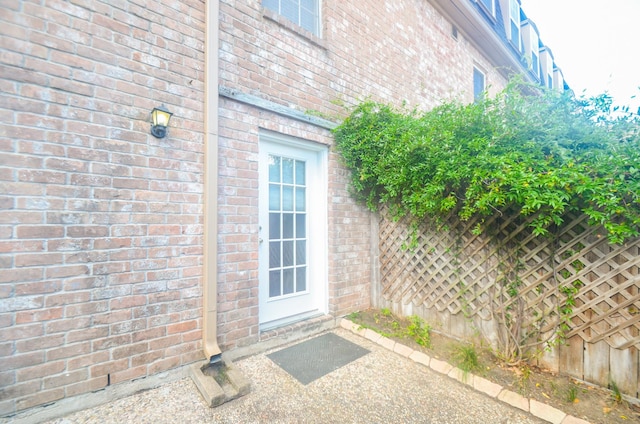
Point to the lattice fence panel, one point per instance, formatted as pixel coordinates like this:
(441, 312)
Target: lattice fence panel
(449, 268)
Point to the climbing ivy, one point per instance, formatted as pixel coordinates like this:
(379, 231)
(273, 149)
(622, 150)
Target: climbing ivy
(525, 150)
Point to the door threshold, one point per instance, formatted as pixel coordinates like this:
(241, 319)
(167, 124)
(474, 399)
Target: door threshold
(273, 325)
(275, 337)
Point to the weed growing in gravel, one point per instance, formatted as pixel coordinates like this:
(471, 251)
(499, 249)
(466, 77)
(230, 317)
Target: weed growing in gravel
(466, 358)
(524, 375)
(354, 316)
(387, 325)
(419, 330)
(572, 394)
(616, 395)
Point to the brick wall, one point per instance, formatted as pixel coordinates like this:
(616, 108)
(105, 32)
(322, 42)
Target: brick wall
(100, 223)
(391, 51)
(101, 233)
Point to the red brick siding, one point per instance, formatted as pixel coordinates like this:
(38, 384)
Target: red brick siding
(237, 226)
(100, 223)
(393, 51)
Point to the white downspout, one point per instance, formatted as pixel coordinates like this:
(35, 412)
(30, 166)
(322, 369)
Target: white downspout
(210, 265)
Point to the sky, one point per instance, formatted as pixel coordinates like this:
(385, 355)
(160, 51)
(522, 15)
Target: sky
(595, 43)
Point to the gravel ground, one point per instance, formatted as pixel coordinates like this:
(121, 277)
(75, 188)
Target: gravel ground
(380, 387)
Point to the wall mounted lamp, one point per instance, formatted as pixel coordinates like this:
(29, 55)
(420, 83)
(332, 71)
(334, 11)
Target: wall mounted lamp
(160, 117)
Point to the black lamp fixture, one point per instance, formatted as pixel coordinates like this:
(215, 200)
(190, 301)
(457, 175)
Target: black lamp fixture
(160, 117)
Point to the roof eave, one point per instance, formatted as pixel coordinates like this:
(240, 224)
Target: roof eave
(480, 34)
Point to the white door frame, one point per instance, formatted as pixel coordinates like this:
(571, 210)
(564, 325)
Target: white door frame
(274, 313)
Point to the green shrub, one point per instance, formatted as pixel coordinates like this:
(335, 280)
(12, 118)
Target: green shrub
(526, 151)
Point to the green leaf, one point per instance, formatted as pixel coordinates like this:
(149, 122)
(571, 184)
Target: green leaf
(545, 154)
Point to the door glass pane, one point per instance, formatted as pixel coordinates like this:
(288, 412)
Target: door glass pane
(287, 281)
(287, 253)
(274, 226)
(274, 283)
(300, 173)
(287, 225)
(300, 199)
(301, 279)
(274, 169)
(287, 171)
(301, 228)
(287, 198)
(301, 252)
(274, 254)
(274, 197)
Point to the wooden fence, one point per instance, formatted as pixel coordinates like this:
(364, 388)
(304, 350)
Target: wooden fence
(460, 281)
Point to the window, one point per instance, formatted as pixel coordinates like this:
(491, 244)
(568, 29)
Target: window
(478, 84)
(530, 45)
(546, 67)
(535, 62)
(514, 19)
(304, 13)
(489, 5)
(558, 79)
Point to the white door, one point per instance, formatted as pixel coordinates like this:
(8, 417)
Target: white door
(292, 253)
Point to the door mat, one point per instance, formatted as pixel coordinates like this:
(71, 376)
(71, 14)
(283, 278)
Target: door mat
(314, 358)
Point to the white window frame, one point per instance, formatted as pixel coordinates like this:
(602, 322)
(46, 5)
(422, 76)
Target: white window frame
(490, 9)
(531, 41)
(514, 22)
(478, 95)
(277, 7)
(546, 67)
(558, 79)
(535, 64)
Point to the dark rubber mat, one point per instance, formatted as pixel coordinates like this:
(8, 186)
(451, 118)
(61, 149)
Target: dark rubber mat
(311, 359)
